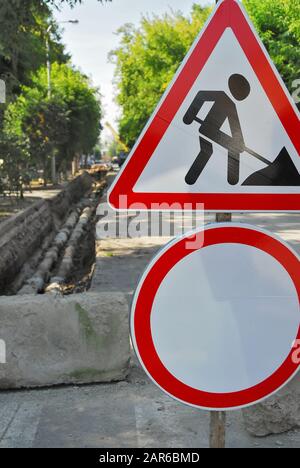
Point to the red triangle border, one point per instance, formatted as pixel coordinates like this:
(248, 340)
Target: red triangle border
(228, 14)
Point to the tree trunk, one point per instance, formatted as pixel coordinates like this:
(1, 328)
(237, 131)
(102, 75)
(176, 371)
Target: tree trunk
(75, 164)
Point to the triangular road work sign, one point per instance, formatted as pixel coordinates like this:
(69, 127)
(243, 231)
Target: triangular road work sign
(226, 133)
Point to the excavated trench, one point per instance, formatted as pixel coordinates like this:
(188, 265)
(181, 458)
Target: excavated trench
(50, 247)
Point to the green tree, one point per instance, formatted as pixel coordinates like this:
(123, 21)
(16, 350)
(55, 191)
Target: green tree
(278, 24)
(41, 122)
(150, 54)
(67, 124)
(42, 125)
(82, 100)
(146, 61)
(14, 168)
(23, 27)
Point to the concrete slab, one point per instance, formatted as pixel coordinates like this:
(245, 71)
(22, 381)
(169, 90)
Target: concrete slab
(52, 340)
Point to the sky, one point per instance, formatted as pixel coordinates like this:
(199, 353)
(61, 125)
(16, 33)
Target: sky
(94, 37)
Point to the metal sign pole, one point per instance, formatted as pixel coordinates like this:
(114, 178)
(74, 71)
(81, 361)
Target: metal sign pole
(217, 436)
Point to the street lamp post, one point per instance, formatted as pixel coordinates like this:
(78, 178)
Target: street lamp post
(48, 53)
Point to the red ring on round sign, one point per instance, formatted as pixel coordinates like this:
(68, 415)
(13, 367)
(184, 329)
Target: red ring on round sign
(142, 308)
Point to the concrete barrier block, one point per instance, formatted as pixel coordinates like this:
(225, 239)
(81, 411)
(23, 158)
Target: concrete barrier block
(278, 414)
(49, 340)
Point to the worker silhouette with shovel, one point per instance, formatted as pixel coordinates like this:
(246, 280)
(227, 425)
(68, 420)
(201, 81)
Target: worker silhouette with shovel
(281, 172)
(223, 108)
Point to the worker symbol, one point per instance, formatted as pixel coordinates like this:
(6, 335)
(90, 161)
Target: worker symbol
(281, 172)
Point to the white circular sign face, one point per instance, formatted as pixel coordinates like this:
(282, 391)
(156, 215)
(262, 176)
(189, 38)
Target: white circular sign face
(214, 325)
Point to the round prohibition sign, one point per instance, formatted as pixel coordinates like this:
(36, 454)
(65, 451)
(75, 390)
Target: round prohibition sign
(214, 324)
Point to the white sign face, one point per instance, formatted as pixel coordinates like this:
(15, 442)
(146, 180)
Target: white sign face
(214, 326)
(261, 127)
(225, 134)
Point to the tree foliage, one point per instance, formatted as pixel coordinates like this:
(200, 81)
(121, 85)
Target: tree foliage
(146, 61)
(23, 30)
(66, 124)
(71, 3)
(14, 168)
(150, 54)
(83, 103)
(278, 23)
(32, 125)
(41, 123)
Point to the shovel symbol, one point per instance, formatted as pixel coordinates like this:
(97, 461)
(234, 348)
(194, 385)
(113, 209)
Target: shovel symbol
(281, 172)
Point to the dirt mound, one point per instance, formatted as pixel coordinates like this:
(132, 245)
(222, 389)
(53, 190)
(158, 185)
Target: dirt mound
(282, 172)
